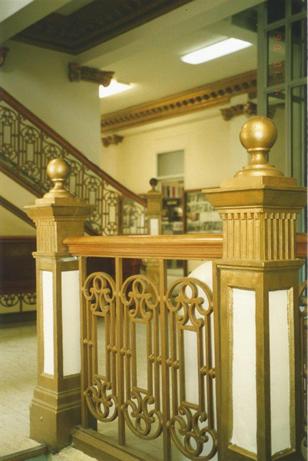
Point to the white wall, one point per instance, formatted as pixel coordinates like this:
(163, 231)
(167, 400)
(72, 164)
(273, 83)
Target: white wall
(212, 148)
(38, 78)
(11, 225)
(20, 197)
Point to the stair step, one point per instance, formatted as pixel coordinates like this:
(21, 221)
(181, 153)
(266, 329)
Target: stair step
(38, 453)
(70, 454)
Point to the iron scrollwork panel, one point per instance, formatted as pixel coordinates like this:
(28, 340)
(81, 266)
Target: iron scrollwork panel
(140, 302)
(187, 308)
(99, 391)
(192, 423)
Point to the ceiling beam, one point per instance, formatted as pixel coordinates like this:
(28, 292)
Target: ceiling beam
(197, 14)
(25, 13)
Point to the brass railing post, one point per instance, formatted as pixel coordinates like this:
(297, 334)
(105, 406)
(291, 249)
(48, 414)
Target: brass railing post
(154, 208)
(154, 215)
(55, 407)
(256, 295)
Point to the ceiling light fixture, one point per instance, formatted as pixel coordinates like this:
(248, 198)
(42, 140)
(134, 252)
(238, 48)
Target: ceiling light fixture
(208, 53)
(114, 87)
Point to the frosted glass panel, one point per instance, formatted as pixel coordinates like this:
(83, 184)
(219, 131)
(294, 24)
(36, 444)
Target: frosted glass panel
(48, 322)
(154, 226)
(280, 370)
(70, 322)
(191, 366)
(244, 369)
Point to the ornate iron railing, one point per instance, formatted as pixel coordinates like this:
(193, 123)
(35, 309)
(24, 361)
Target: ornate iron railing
(148, 353)
(303, 305)
(27, 145)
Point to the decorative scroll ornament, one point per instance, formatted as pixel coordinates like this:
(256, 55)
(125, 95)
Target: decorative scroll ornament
(9, 300)
(190, 300)
(139, 296)
(192, 425)
(99, 291)
(141, 416)
(112, 139)
(250, 108)
(76, 73)
(101, 401)
(192, 436)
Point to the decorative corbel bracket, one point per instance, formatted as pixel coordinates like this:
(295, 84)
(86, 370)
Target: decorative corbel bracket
(76, 73)
(3, 54)
(112, 139)
(250, 108)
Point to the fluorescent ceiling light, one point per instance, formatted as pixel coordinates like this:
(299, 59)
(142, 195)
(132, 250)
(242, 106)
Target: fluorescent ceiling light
(113, 88)
(208, 53)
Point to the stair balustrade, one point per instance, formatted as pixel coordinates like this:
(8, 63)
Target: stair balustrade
(27, 145)
(167, 361)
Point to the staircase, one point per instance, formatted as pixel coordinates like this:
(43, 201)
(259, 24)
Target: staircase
(27, 145)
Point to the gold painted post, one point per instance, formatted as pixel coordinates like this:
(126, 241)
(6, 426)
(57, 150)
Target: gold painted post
(55, 407)
(154, 215)
(256, 292)
(154, 208)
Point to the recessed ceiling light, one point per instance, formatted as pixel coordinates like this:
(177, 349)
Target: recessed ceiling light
(208, 53)
(113, 88)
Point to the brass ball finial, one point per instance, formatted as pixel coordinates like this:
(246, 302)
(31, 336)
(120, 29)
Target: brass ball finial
(258, 135)
(153, 183)
(58, 170)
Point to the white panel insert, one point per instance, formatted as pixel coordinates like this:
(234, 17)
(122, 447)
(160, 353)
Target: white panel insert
(70, 322)
(244, 391)
(154, 226)
(48, 321)
(279, 370)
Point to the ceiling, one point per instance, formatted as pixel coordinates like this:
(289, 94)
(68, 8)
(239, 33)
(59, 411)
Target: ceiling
(142, 41)
(149, 57)
(82, 24)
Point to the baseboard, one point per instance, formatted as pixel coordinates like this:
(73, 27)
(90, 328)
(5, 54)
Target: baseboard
(94, 444)
(26, 454)
(17, 317)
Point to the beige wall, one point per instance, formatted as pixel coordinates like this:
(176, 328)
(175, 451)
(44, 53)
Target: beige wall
(11, 225)
(38, 78)
(213, 152)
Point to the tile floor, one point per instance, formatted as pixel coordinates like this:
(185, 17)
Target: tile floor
(17, 380)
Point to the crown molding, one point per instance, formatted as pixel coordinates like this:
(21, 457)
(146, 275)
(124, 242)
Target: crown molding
(250, 108)
(76, 73)
(202, 97)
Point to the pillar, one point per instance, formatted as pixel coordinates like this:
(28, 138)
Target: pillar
(154, 215)
(256, 292)
(55, 407)
(154, 208)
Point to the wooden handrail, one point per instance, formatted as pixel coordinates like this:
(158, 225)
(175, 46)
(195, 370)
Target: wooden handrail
(145, 246)
(186, 246)
(9, 99)
(16, 211)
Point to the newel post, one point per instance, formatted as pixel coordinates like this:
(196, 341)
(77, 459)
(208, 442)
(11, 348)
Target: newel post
(55, 407)
(256, 307)
(154, 212)
(154, 208)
